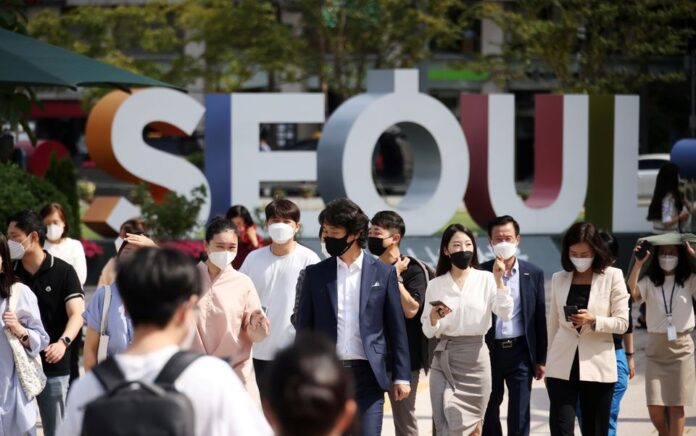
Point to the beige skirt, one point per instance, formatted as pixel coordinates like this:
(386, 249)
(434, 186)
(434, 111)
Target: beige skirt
(460, 385)
(669, 374)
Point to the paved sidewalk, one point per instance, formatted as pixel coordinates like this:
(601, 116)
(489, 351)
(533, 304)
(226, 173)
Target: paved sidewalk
(633, 419)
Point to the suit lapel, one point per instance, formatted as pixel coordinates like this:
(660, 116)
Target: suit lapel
(331, 286)
(524, 287)
(563, 292)
(596, 281)
(366, 280)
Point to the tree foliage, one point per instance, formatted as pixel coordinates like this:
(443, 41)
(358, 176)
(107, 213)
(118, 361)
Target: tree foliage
(175, 216)
(588, 46)
(344, 38)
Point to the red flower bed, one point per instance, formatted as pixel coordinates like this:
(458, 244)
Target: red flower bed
(92, 249)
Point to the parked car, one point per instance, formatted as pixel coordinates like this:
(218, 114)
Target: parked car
(648, 166)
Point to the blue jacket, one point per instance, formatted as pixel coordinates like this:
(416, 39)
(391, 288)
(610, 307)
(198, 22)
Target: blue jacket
(533, 299)
(382, 326)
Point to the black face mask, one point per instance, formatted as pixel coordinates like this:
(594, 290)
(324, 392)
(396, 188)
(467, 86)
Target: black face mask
(376, 245)
(461, 259)
(337, 246)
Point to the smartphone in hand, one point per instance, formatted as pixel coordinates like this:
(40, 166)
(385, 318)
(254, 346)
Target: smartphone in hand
(645, 246)
(570, 310)
(438, 303)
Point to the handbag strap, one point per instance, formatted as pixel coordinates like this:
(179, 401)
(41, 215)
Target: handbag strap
(105, 310)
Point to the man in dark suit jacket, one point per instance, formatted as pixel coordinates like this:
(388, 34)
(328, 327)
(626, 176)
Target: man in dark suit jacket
(353, 299)
(517, 347)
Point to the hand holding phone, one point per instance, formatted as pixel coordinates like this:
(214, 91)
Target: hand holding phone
(569, 311)
(643, 250)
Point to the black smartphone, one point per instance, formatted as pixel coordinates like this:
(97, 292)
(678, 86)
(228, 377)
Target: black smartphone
(438, 303)
(570, 310)
(643, 250)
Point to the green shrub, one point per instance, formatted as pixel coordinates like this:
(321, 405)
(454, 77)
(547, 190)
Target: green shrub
(173, 218)
(61, 174)
(20, 190)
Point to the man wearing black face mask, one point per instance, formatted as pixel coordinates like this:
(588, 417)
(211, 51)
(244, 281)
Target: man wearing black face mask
(387, 229)
(353, 299)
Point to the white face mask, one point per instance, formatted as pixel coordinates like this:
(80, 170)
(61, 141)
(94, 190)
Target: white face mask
(54, 231)
(668, 263)
(118, 242)
(222, 258)
(281, 233)
(17, 249)
(505, 249)
(323, 250)
(582, 264)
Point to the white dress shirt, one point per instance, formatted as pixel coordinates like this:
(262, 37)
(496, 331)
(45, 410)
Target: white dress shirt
(349, 344)
(471, 305)
(515, 327)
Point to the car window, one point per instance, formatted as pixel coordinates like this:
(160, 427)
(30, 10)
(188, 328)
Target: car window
(651, 164)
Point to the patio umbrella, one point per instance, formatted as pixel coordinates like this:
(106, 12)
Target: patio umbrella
(27, 61)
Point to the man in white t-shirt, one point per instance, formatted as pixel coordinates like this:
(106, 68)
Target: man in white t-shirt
(160, 288)
(274, 270)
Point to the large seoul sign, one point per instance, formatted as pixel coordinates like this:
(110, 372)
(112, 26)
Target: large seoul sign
(586, 152)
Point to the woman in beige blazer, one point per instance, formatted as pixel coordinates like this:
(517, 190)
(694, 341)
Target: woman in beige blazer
(581, 362)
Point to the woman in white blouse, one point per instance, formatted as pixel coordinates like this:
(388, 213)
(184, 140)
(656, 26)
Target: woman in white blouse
(462, 298)
(59, 244)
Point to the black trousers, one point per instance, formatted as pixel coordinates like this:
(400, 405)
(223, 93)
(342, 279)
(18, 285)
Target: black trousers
(512, 367)
(595, 404)
(261, 368)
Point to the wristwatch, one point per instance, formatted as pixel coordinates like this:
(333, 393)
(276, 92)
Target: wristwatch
(24, 338)
(66, 340)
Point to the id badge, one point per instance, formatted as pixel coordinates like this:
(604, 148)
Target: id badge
(671, 333)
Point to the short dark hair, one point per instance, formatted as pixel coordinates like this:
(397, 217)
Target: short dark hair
(342, 212)
(56, 207)
(7, 277)
(155, 282)
(444, 264)
(681, 273)
(240, 211)
(501, 221)
(282, 208)
(585, 231)
(389, 220)
(28, 221)
(218, 225)
(307, 387)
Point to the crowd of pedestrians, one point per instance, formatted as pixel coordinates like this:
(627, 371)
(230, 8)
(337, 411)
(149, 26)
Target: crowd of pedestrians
(177, 345)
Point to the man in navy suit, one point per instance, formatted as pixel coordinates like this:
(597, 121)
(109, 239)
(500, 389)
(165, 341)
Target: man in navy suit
(353, 299)
(518, 346)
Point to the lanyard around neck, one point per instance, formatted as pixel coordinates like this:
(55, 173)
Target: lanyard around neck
(671, 298)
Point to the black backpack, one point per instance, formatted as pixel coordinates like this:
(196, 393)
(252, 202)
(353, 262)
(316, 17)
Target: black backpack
(138, 408)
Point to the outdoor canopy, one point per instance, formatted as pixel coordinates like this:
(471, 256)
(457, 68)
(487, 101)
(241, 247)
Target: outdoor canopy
(25, 61)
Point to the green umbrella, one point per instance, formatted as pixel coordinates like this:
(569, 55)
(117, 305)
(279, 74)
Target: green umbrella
(665, 239)
(27, 61)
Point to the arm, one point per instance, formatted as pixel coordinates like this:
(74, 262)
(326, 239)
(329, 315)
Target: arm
(395, 330)
(630, 351)
(26, 321)
(304, 317)
(255, 323)
(503, 303)
(108, 273)
(80, 263)
(553, 323)
(91, 349)
(411, 292)
(253, 237)
(298, 292)
(618, 321)
(75, 306)
(540, 320)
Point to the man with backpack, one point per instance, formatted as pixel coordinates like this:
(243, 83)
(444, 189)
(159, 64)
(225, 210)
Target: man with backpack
(153, 387)
(386, 232)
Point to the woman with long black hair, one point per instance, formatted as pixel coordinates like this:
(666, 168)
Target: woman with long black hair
(461, 300)
(668, 211)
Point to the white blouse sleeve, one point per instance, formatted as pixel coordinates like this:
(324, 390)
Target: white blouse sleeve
(502, 302)
(79, 261)
(431, 294)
